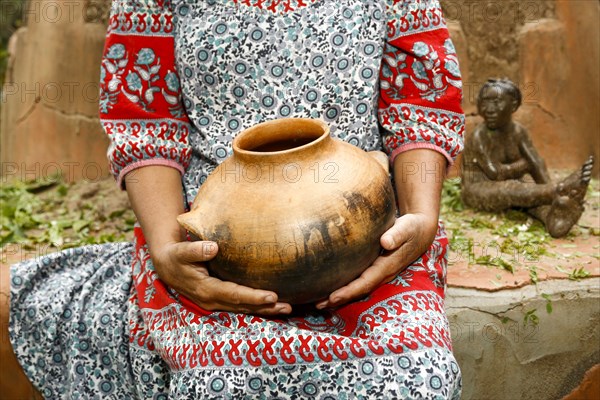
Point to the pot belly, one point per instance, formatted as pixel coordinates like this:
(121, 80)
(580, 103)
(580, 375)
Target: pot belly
(307, 259)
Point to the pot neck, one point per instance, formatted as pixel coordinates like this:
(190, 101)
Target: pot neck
(285, 138)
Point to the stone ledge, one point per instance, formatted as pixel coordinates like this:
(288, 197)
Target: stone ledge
(503, 356)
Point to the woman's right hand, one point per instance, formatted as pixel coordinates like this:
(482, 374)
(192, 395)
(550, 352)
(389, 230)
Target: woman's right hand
(181, 266)
(156, 196)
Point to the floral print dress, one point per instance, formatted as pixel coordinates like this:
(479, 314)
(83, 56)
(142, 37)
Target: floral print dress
(179, 80)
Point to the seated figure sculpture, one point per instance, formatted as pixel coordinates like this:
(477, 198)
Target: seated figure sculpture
(499, 156)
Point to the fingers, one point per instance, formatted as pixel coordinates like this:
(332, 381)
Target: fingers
(405, 241)
(382, 271)
(230, 296)
(234, 294)
(214, 294)
(184, 271)
(272, 310)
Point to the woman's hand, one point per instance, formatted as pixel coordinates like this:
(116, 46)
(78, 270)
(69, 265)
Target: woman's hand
(156, 196)
(418, 175)
(411, 236)
(180, 265)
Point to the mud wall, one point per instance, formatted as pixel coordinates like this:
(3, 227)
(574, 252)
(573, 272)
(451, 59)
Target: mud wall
(49, 121)
(550, 47)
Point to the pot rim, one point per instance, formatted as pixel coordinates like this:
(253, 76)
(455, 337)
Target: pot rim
(247, 133)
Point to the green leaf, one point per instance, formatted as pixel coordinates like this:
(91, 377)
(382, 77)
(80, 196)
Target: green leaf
(548, 302)
(531, 318)
(80, 224)
(569, 245)
(117, 213)
(546, 296)
(451, 200)
(578, 273)
(55, 234)
(495, 261)
(533, 275)
(481, 223)
(62, 190)
(561, 269)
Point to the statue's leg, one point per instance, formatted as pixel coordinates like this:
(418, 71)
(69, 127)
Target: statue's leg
(567, 205)
(497, 196)
(540, 212)
(575, 185)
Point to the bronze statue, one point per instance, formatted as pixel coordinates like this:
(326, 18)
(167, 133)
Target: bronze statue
(499, 155)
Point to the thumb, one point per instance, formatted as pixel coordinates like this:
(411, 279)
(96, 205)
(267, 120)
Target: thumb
(394, 237)
(197, 251)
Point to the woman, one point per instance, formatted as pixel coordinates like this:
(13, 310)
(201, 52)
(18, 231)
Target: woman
(179, 80)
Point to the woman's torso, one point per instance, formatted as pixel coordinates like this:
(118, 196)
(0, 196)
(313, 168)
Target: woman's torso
(240, 65)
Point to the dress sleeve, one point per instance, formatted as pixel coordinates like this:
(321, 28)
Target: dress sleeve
(140, 97)
(420, 83)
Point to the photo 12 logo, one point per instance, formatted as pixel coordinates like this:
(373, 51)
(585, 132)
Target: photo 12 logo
(50, 92)
(277, 172)
(514, 331)
(68, 171)
(53, 12)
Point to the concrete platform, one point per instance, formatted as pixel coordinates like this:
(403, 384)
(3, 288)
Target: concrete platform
(526, 323)
(504, 355)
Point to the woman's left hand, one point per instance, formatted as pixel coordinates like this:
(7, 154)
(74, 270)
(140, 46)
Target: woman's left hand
(409, 238)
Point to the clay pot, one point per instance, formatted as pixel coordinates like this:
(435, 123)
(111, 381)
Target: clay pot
(293, 210)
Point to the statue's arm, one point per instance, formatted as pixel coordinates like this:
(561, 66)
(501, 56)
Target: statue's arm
(480, 157)
(494, 170)
(535, 164)
(490, 169)
(514, 170)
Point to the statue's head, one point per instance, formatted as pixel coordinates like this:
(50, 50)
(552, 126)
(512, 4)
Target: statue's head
(497, 100)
